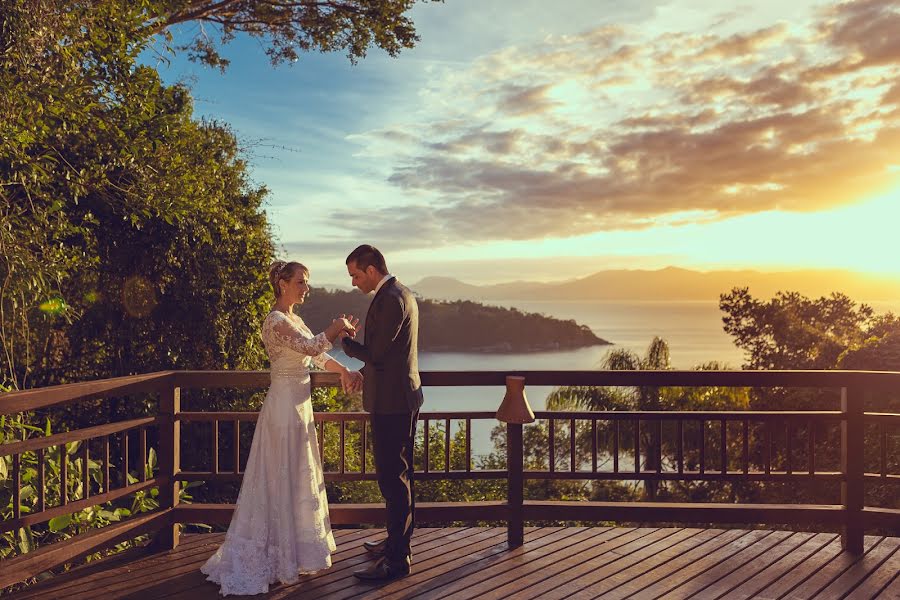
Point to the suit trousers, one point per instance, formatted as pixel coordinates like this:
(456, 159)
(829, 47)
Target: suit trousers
(393, 439)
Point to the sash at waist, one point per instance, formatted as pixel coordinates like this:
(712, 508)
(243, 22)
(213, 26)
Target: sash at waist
(297, 373)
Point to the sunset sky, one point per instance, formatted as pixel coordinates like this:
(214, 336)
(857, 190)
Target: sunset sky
(548, 140)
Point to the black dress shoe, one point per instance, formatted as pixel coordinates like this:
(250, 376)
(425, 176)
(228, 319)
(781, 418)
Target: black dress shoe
(384, 570)
(375, 547)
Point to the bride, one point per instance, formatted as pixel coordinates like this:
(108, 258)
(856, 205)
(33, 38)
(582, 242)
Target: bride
(280, 527)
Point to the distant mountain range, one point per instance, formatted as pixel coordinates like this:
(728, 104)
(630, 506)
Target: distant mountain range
(670, 283)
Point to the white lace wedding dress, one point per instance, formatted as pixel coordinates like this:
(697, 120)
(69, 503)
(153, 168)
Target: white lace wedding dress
(280, 527)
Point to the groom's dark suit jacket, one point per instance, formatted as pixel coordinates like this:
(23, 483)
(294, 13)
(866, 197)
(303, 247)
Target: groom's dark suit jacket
(391, 382)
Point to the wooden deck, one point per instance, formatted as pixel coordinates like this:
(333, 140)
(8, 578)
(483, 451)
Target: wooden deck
(555, 562)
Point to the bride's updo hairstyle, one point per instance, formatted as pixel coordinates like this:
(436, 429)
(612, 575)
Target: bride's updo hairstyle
(283, 270)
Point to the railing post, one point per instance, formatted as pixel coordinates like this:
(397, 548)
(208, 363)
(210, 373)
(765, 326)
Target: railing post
(853, 468)
(514, 411)
(169, 463)
(515, 534)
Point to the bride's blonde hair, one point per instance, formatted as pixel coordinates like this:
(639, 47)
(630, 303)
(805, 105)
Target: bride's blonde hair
(284, 270)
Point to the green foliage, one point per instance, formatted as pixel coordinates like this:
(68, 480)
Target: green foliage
(65, 526)
(117, 207)
(643, 398)
(791, 331)
(287, 28)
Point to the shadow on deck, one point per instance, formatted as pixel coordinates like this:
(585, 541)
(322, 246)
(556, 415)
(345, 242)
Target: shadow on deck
(555, 562)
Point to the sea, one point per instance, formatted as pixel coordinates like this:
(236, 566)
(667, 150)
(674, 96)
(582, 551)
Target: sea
(693, 330)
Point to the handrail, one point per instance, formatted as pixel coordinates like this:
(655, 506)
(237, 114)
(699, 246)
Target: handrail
(76, 435)
(21, 401)
(56, 395)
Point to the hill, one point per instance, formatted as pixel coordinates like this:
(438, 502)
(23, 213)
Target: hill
(462, 325)
(671, 283)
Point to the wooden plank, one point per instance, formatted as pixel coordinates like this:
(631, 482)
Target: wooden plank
(169, 464)
(86, 472)
(74, 436)
(684, 513)
(700, 582)
(880, 579)
(135, 562)
(841, 584)
(501, 570)
(830, 582)
(350, 514)
(740, 378)
(501, 577)
(58, 395)
(96, 570)
(42, 482)
(853, 467)
(471, 568)
(593, 572)
(892, 590)
(181, 576)
(683, 562)
(339, 579)
(888, 518)
(108, 573)
(190, 583)
(243, 379)
(348, 558)
(553, 562)
(673, 579)
(706, 475)
(22, 567)
(808, 568)
(208, 476)
(462, 565)
(559, 576)
(687, 540)
(426, 563)
(758, 581)
(147, 572)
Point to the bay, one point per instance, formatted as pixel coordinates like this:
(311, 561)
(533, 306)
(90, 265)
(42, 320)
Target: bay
(693, 330)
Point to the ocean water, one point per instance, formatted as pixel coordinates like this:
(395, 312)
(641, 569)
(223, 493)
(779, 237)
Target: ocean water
(693, 331)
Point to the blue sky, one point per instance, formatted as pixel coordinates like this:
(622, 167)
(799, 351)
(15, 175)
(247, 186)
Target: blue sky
(542, 140)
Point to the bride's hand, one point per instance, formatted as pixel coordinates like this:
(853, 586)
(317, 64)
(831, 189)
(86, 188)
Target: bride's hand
(338, 328)
(357, 381)
(351, 381)
(353, 321)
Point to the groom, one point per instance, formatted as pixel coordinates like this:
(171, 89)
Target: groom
(392, 393)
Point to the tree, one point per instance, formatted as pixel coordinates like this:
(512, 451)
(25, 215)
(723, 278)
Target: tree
(289, 27)
(92, 143)
(120, 206)
(791, 331)
(645, 398)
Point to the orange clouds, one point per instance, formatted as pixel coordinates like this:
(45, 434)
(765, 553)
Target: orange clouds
(618, 128)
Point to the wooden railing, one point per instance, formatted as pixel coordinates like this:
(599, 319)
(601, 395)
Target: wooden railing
(644, 458)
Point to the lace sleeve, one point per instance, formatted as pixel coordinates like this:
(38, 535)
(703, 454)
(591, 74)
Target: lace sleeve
(320, 360)
(284, 333)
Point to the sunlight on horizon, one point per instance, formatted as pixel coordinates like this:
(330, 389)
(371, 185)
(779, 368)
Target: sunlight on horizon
(858, 237)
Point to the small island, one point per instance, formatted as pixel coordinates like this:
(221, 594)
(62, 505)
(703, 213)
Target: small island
(462, 325)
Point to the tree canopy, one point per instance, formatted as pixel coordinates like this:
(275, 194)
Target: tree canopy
(118, 204)
(287, 27)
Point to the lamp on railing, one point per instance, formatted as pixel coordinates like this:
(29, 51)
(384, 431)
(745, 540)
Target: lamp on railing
(515, 408)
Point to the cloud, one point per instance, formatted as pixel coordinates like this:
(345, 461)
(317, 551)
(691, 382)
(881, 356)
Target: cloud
(523, 101)
(618, 128)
